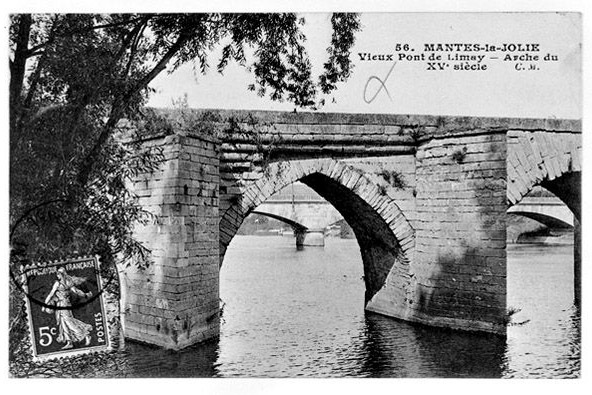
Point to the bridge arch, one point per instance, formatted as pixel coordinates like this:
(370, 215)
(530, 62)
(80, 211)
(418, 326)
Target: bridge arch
(385, 236)
(295, 225)
(550, 221)
(312, 214)
(547, 210)
(551, 161)
(448, 270)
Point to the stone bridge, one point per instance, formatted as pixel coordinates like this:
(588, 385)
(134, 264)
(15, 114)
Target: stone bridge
(308, 214)
(549, 211)
(425, 196)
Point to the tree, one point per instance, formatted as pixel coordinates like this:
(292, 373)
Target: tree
(74, 77)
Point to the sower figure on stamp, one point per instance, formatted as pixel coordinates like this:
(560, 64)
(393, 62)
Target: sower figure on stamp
(70, 329)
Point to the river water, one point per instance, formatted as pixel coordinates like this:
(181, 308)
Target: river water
(291, 313)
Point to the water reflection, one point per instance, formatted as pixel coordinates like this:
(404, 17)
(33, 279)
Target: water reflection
(546, 351)
(540, 284)
(142, 360)
(384, 348)
(399, 349)
(294, 314)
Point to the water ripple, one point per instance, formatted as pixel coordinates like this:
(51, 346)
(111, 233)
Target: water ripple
(295, 313)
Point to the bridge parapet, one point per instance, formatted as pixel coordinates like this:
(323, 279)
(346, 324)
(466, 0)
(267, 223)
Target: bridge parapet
(345, 136)
(432, 238)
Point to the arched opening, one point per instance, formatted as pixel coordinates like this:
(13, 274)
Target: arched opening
(316, 293)
(568, 188)
(378, 245)
(553, 161)
(543, 276)
(383, 233)
(538, 192)
(543, 279)
(289, 312)
(540, 216)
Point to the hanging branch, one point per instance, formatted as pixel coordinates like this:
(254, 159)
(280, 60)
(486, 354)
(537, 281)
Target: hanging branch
(120, 105)
(18, 65)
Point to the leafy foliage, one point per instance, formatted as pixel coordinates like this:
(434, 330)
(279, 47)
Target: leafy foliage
(75, 76)
(459, 155)
(338, 67)
(394, 178)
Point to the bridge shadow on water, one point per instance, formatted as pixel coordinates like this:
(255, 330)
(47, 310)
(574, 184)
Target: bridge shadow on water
(380, 347)
(396, 348)
(388, 348)
(143, 361)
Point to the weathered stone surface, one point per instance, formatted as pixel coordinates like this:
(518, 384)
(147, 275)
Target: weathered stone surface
(175, 302)
(432, 241)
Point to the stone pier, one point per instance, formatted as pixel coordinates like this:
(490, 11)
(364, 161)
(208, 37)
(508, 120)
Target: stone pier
(311, 238)
(426, 198)
(174, 302)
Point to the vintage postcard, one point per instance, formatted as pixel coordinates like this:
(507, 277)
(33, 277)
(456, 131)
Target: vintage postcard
(297, 194)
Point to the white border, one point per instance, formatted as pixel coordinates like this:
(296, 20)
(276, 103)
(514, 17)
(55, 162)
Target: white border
(289, 386)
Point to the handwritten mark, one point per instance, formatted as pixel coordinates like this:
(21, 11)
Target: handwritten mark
(380, 87)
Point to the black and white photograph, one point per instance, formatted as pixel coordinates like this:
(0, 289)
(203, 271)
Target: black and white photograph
(294, 193)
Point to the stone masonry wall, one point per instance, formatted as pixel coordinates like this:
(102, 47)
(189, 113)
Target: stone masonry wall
(381, 171)
(302, 136)
(460, 256)
(175, 301)
(453, 208)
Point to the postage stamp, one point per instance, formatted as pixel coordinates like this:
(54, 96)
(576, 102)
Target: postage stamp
(66, 310)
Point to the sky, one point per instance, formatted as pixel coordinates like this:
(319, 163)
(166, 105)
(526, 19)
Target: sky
(554, 90)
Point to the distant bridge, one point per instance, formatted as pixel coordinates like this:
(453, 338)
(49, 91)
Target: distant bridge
(309, 214)
(549, 211)
(426, 197)
(304, 210)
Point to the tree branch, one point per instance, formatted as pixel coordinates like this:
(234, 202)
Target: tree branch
(34, 79)
(17, 67)
(120, 105)
(29, 211)
(183, 38)
(135, 37)
(32, 50)
(132, 35)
